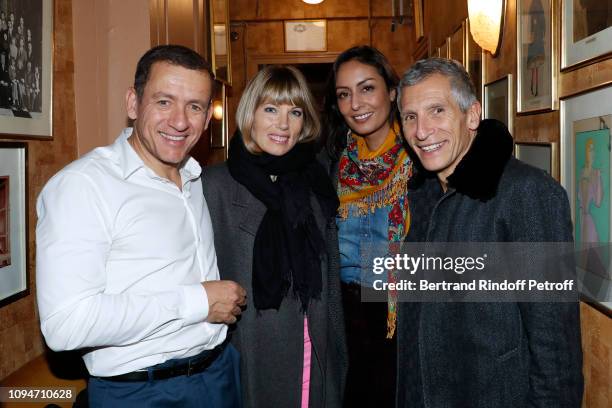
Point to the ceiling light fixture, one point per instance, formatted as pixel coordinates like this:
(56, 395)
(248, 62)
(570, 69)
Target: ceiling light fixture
(486, 23)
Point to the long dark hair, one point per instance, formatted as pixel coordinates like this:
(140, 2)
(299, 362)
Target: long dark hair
(334, 124)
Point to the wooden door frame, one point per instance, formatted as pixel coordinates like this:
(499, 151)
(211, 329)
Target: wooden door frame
(253, 62)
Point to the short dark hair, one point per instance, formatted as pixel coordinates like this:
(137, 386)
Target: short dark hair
(172, 54)
(335, 137)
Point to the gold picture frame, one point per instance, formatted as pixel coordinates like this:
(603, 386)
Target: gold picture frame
(543, 155)
(498, 101)
(537, 50)
(581, 42)
(305, 35)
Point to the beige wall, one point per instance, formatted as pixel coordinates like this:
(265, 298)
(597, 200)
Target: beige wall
(109, 37)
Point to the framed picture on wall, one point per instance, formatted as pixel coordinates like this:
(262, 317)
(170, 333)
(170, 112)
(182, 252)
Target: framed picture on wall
(536, 56)
(13, 222)
(585, 173)
(586, 32)
(305, 35)
(542, 155)
(498, 101)
(26, 68)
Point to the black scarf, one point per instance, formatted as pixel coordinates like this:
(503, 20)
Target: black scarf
(288, 245)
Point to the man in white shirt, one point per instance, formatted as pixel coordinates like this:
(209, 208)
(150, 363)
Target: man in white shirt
(126, 266)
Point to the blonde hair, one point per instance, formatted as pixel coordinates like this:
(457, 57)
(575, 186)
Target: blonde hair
(278, 85)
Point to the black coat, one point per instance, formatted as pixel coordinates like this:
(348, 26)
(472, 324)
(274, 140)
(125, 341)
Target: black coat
(271, 341)
(490, 355)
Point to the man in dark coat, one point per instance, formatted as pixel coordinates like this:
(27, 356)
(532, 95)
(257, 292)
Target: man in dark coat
(480, 355)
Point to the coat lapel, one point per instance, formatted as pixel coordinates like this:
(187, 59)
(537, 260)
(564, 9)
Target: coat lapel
(250, 210)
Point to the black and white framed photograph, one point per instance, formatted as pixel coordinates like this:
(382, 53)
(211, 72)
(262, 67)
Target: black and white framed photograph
(26, 67)
(13, 222)
(498, 101)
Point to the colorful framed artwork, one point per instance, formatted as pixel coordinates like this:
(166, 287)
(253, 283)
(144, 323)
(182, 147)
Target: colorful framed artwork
(305, 35)
(536, 56)
(542, 155)
(586, 32)
(13, 222)
(585, 173)
(498, 101)
(221, 56)
(26, 68)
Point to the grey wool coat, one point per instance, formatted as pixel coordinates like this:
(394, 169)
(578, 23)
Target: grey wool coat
(271, 342)
(490, 355)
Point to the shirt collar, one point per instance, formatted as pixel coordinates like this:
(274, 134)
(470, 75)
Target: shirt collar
(128, 160)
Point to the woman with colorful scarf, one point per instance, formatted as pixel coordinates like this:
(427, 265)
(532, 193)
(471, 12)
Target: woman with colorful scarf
(273, 214)
(371, 169)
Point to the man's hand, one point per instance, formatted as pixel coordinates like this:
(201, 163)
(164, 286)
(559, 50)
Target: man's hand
(225, 299)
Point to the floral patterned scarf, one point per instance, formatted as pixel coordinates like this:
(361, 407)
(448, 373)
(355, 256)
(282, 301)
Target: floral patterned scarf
(370, 180)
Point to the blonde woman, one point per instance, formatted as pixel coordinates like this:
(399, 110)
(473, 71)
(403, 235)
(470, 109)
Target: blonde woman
(273, 212)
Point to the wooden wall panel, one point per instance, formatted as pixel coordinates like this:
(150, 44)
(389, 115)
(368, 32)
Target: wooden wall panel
(588, 77)
(343, 34)
(20, 339)
(397, 46)
(181, 22)
(382, 8)
(597, 347)
(441, 18)
(250, 10)
(264, 38)
(543, 127)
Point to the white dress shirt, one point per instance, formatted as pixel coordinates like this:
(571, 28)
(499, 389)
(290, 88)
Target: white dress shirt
(120, 254)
